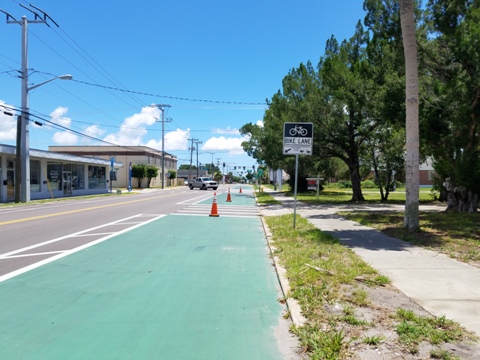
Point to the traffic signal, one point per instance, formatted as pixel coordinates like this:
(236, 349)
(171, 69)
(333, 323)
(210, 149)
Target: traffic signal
(234, 168)
(244, 168)
(223, 164)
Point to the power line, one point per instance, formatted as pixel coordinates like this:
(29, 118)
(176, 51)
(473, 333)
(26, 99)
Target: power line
(168, 96)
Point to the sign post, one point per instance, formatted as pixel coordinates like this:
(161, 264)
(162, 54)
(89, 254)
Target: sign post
(297, 140)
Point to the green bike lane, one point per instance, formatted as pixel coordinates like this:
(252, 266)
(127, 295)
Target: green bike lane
(180, 287)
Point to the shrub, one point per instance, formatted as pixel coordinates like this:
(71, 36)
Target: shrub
(344, 184)
(368, 184)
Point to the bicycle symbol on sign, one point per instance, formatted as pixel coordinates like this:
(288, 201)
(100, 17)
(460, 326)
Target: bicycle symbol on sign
(298, 130)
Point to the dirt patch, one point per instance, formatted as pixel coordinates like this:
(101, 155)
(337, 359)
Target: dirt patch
(380, 315)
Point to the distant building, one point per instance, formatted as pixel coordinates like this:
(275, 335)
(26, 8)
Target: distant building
(127, 155)
(54, 175)
(426, 173)
(185, 174)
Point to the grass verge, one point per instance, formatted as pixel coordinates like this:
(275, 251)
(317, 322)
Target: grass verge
(336, 196)
(454, 234)
(332, 285)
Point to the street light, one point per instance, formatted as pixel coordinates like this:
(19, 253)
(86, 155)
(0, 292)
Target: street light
(61, 77)
(23, 156)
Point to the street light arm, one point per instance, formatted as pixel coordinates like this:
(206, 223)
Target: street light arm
(61, 77)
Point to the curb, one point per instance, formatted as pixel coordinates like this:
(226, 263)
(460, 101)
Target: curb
(293, 307)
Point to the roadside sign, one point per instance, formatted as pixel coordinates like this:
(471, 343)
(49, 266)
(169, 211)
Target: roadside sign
(297, 138)
(312, 183)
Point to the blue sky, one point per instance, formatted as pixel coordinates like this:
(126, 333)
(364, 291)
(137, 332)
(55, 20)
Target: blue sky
(214, 62)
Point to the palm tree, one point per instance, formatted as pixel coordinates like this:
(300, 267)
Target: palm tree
(407, 19)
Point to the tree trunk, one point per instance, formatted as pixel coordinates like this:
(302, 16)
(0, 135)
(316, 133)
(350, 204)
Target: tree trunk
(460, 199)
(407, 19)
(356, 183)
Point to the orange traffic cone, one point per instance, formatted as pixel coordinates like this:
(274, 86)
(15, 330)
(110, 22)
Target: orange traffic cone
(214, 211)
(229, 199)
(240, 189)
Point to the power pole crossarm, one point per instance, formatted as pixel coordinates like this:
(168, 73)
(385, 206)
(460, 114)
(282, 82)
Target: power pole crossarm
(9, 16)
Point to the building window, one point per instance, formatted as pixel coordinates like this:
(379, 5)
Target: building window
(35, 176)
(78, 177)
(54, 176)
(96, 177)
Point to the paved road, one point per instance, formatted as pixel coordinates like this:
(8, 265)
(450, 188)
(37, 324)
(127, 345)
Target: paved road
(152, 285)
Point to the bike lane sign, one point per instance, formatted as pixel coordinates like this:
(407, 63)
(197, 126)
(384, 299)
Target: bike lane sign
(297, 138)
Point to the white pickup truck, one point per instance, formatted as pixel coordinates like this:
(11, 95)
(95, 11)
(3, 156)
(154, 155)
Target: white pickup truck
(202, 183)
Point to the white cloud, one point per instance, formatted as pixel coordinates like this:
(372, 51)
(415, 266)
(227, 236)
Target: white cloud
(94, 131)
(63, 137)
(226, 131)
(232, 145)
(58, 117)
(134, 127)
(8, 124)
(174, 140)
(260, 123)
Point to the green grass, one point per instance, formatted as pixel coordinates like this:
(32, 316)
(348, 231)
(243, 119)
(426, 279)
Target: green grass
(335, 196)
(372, 340)
(454, 234)
(322, 345)
(414, 329)
(442, 354)
(318, 266)
(265, 199)
(320, 270)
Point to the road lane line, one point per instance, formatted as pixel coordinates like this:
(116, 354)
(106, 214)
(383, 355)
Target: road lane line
(77, 211)
(35, 254)
(62, 238)
(72, 251)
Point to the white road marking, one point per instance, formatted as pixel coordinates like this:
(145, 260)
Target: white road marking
(62, 254)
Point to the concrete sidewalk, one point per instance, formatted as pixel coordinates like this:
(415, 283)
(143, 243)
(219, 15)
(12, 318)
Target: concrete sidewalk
(441, 285)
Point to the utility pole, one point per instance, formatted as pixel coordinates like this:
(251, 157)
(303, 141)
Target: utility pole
(212, 164)
(162, 109)
(191, 156)
(22, 189)
(197, 142)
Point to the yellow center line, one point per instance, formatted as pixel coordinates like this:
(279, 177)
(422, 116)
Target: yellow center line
(77, 211)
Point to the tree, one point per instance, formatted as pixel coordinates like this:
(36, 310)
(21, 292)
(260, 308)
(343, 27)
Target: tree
(387, 157)
(452, 115)
(139, 171)
(152, 172)
(186, 167)
(218, 176)
(172, 174)
(348, 89)
(407, 18)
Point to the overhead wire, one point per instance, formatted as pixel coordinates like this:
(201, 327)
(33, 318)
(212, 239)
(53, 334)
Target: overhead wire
(169, 96)
(64, 128)
(76, 67)
(119, 87)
